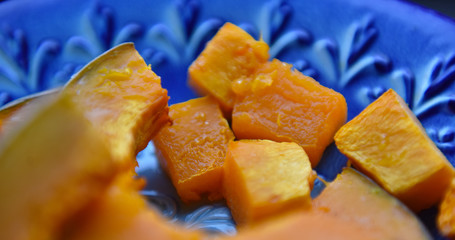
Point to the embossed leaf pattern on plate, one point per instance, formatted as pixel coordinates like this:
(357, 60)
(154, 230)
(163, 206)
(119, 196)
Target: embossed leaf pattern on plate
(22, 71)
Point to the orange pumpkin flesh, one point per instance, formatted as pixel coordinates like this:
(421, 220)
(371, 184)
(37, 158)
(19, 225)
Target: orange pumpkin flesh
(8, 111)
(307, 225)
(122, 97)
(388, 143)
(51, 167)
(446, 216)
(264, 178)
(122, 213)
(355, 198)
(230, 56)
(284, 105)
(193, 149)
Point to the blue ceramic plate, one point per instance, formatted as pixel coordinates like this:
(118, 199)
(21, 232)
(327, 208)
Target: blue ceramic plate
(359, 48)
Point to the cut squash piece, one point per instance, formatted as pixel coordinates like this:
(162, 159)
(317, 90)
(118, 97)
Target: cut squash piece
(307, 225)
(263, 178)
(123, 98)
(8, 111)
(232, 55)
(446, 216)
(192, 150)
(122, 214)
(355, 198)
(388, 143)
(50, 168)
(286, 106)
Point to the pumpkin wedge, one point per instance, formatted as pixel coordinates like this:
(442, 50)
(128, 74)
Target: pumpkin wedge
(283, 105)
(232, 55)
(9, 110)
(446, 216)
(192, 150)
(355, 198)
(50, 168)
(121, 214)
(263, 179)
(307, 225)
(388, 143)
(123, 98)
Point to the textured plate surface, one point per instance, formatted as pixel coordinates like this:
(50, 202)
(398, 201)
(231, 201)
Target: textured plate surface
(360, 48)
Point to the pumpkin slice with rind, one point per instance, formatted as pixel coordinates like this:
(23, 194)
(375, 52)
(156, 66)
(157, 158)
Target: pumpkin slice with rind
(264, 179)
(307, 225)
(387, 142)
(123, 97)
(50, 168)
(8, 111)
(355, 198)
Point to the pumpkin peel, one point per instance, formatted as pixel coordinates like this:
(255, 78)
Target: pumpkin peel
(123, 97)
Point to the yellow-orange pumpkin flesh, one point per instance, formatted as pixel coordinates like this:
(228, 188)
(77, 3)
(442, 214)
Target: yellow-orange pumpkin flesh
(355, 198)
(123, 98)
(232, 55)
(446, 215)
(122, 214)
(8, 112)
(51, 167)
(192, 150)
(307, 225)
(284, 105)
(388, 143)
(263, 179)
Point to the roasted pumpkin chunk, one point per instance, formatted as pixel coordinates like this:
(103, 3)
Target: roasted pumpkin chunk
(307, 225)
(230, 56)
(388, 143)
(8, 111)
(123, 98)
(192, 150)
(446, 216)
(122, 213)
(284, 105)
(355, 198)
(263, 178)
(50, 168)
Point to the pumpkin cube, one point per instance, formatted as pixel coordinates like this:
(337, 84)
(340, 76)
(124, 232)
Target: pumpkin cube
(388, 143)
(286, 106)
(446, 216)
(263, 178)
(355, 198)
(193, 148)
(230, 56)
(123, 98)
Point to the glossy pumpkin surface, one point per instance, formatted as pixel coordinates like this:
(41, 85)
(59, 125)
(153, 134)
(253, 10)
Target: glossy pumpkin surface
(192, 150)
(282, 104)
(388, 143)
(263, 179)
